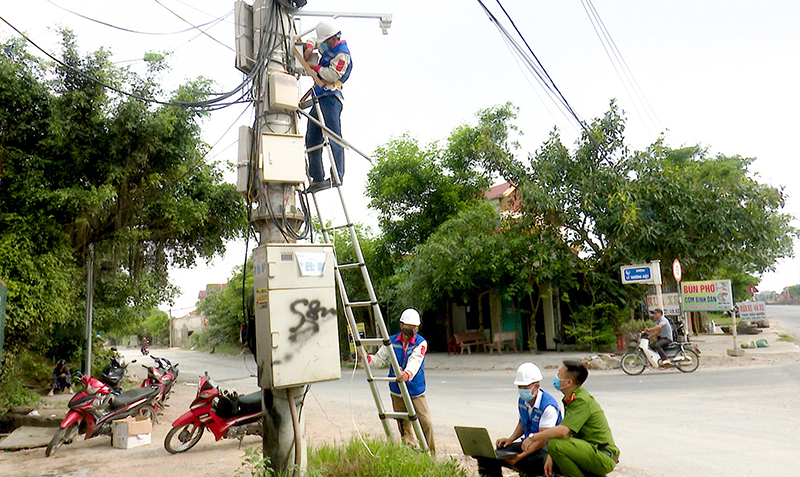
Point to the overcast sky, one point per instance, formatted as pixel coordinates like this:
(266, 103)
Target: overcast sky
(722, 74)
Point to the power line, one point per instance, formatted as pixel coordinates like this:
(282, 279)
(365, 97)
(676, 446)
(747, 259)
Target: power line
(534, 65)
(619, 64)
(216, 20)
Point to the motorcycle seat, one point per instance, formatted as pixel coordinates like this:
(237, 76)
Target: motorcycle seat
(250, 403)
(133, 395)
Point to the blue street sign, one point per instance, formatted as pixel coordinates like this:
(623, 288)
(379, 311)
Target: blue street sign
(638, 274)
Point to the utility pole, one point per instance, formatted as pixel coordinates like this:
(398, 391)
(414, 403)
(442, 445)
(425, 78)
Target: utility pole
(272, 170)
(294, 284)
(89, 305)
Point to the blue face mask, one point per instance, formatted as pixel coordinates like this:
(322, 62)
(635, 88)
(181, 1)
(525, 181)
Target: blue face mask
(556, 383)
(323, 47)
(526, 395)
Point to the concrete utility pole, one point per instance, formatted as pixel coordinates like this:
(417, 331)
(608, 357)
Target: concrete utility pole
(269, 61)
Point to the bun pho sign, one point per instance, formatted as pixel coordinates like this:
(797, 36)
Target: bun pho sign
(710, 295)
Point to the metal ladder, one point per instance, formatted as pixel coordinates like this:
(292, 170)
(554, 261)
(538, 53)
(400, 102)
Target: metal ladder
(383, 334)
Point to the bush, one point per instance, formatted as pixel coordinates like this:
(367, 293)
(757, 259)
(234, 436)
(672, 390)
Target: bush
(593, 326)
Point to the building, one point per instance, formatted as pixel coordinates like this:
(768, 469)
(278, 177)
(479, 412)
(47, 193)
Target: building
(182, 328)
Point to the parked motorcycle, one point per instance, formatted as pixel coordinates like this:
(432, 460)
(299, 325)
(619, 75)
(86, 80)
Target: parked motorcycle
(95, 407)
(113, 373)
(225, 414)
(161, 376)
(682, 355)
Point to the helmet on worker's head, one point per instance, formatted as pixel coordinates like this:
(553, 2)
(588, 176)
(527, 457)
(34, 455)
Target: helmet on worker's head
(410, 317)
(528, 373)
(326, 28)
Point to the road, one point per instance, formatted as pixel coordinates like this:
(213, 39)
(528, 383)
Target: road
(788, 317)
(718, 421)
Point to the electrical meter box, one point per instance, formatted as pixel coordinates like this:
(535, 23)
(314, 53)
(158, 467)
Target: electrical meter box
(283, 93)
(283, 158)
(297, 331)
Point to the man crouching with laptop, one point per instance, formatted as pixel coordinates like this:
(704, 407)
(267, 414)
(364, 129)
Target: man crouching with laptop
(538, 411)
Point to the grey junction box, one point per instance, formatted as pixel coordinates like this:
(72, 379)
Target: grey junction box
(295, 305)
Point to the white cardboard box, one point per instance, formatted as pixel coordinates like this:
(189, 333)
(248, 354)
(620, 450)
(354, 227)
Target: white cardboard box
(131, 432)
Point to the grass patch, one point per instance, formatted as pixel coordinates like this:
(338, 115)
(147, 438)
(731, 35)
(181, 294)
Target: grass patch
(379, 458)
(786, 338)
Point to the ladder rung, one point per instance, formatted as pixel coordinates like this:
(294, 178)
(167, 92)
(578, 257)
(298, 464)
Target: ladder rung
(359, 304)
(346, 266)
(337, 227)
(398, 415)
(371, 341)
(386, 379)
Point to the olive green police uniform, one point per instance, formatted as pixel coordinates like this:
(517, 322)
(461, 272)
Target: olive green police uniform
(591, 447)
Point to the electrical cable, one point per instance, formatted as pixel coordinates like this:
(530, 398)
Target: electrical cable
(195, 26)
(541, 72)
(138, 32)
(210, 105)
(619, 63)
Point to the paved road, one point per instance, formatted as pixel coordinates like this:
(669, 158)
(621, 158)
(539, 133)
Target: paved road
(787, 316)
(714, 422)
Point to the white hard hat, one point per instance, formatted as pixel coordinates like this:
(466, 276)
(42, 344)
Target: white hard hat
(326, 28)
(410, 317)
(528, 373)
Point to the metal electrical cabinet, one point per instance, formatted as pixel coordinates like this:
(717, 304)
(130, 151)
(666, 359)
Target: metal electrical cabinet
(295, 304)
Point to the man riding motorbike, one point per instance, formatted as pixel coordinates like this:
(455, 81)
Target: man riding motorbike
(663, 329)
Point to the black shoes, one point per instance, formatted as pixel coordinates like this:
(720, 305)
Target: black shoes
(318, 186)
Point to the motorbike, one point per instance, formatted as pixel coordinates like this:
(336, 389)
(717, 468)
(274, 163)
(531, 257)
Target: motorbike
(113, 373)
(145, 348)
(93, 409)
(682, 355)
(161, 376)
(226, 414)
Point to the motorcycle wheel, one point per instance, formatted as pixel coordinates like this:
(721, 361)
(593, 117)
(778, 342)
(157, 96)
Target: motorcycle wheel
(61, 437)
(148, 411)
(692, 364)
(633, 363)
(187, 436)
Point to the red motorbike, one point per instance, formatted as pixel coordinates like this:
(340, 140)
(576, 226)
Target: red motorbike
(161, 376)
(225, 414)
(93, 409)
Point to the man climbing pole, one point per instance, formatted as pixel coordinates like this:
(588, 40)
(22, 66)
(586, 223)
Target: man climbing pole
(329, 74)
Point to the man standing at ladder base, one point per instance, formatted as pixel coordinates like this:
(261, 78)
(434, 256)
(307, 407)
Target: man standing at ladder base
(334, 69)
(410, 349)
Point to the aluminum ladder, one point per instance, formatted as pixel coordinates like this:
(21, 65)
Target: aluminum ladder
(380, 325)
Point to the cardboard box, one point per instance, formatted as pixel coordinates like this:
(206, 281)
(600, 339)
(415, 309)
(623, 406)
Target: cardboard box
(131, 432)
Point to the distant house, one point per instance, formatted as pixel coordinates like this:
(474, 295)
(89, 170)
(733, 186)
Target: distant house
(487, 311)
(182, 328)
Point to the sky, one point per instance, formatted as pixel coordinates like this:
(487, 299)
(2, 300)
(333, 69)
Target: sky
(722, 74)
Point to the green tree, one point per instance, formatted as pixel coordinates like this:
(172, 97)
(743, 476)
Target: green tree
(82, 165)
(225, 309)
(415, 190)
(614, 207)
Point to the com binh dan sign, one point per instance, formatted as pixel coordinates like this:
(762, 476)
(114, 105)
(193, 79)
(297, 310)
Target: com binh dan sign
(710, 295)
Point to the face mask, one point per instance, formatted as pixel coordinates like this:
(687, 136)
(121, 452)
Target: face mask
(323, 47)
(556, 383)
(526, 395)
(408, 332)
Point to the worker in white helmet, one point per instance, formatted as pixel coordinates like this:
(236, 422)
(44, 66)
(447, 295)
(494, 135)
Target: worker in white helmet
(333, 69)
(538, 410)
(410, 349)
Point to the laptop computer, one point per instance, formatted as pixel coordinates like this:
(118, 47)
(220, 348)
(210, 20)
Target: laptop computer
(475, 442)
